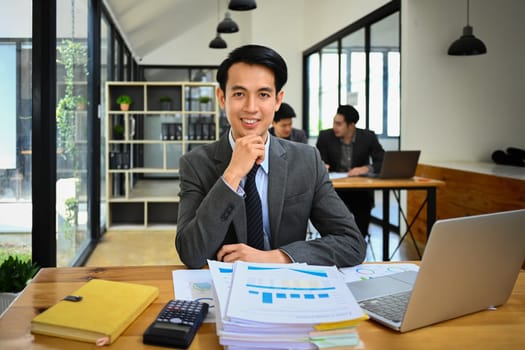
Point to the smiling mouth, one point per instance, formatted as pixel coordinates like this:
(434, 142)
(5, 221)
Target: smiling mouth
(250, 121)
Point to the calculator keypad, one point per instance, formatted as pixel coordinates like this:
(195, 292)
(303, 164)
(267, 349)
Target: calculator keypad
(183, 312)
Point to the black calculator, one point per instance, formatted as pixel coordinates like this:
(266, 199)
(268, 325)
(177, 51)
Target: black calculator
(176, 324)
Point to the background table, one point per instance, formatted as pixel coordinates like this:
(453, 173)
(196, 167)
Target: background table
(387, 185)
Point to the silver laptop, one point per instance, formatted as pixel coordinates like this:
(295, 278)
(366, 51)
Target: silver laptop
(398, 165)
(469, 264)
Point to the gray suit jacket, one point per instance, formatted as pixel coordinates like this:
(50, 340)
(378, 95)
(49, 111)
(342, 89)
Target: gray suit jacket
(211, 214)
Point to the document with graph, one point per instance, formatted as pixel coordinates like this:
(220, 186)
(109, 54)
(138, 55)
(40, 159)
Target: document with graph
(290, 294)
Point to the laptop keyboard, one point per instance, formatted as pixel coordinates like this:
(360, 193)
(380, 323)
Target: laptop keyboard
(391, 307)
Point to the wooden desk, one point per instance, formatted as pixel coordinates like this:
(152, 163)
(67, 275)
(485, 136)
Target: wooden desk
(501, 329)
(386, 185)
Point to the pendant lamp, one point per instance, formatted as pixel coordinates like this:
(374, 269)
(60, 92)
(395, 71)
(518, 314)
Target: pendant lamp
(242, 5)
(227, 25)
(218, 43)
(467, 44)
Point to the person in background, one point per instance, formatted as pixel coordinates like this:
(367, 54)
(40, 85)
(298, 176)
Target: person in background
(291, 181)
(282, 125)
(346, 148)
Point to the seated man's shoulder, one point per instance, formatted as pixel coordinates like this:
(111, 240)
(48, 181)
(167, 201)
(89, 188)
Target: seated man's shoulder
(299, 135)
(327, 134)
(367, 132)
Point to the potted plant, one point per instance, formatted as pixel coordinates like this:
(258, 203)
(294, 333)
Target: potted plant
(118, 132)
(204, 101)
(124, 101)
(15, 274)
(165, 103)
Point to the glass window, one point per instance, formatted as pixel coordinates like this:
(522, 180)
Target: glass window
(353, 73)
(346, 77)
(105, 74)
(385, 76)
(394, 94)
(329, 84)
(314, 85)
(375, 117)
(15, 136)
(117, 68)
(71, 118)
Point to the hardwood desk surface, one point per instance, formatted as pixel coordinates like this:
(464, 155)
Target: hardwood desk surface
(375, 183)
(500, 329)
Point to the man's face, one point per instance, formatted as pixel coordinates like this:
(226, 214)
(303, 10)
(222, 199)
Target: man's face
(341, 129)
(250, 99)
(283, 128)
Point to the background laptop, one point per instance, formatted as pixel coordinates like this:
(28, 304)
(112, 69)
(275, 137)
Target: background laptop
(398, 165)
(469, 264)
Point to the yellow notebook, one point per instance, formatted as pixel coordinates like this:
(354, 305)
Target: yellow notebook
(107, 308)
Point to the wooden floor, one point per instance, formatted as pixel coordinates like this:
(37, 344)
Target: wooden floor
(126, 248)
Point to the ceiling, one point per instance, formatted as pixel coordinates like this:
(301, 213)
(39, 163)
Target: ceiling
(147, 25)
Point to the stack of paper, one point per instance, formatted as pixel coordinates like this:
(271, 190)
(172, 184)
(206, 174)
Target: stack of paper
(284, 306)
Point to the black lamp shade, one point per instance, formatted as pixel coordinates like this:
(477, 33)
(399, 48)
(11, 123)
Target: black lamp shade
(218, 43)
(227, 25)
(467, 44)
(242, 5)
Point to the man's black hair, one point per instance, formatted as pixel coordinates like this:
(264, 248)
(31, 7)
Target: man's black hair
(257, 55)
(284, 112)
(350, 113)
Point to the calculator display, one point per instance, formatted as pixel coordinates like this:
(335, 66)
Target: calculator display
(176, 324)
(178, 327)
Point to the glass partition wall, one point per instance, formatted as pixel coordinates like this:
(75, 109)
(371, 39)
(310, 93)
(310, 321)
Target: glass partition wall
(71, 129)
(52, 169)
(15, 143)
(359, 66)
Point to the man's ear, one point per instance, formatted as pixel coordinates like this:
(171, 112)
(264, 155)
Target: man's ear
(279, 100)
(220, 97)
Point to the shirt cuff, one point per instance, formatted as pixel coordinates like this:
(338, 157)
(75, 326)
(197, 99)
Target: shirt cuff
(285, 252)
(239, 191)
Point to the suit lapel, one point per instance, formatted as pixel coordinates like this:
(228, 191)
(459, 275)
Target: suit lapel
(276, 185)
(223, 154)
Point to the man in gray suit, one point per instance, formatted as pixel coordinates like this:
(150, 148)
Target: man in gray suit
(292, 181)
(282, 125)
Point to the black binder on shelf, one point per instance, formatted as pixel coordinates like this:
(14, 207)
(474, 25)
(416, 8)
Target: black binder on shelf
(165, 131)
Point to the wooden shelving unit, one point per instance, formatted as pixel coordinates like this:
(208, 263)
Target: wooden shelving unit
(144, 144)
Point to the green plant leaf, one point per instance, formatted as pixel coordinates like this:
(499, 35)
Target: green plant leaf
(15, 273)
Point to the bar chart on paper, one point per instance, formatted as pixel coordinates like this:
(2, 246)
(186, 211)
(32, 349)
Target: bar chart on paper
(301, 294)
(269, 291)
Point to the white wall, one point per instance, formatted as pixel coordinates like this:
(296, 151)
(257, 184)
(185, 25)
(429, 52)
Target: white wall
(462, 108)
(16, 21)
(453, 108)
(289, 27)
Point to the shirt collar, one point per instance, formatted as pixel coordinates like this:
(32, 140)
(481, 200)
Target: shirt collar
(265, 164)
(353, 138)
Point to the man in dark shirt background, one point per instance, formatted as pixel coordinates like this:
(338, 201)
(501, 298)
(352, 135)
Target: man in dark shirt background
(346, 148)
